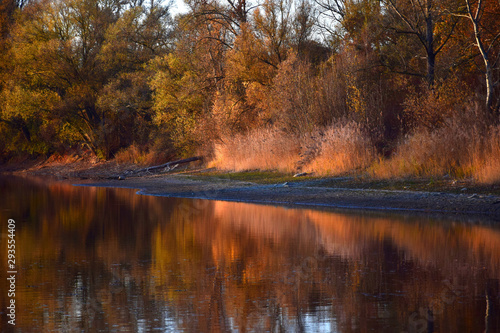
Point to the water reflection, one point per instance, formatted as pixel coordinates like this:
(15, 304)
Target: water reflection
(96, 259)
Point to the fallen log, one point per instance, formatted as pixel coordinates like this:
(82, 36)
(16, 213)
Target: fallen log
(165, 165)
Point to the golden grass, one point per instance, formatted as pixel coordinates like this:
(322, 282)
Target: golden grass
(487, 160)
(132, 154)
(262, 149)
(456, 149)
(141, 156)
(343, 148)
(447, 150)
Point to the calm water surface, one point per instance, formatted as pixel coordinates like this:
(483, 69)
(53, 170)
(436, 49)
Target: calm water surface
(97, 259)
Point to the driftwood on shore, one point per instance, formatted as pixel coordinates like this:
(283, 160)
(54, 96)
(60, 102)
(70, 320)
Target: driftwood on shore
(168, 165)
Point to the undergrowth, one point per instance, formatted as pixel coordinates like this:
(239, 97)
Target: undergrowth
(453, 150)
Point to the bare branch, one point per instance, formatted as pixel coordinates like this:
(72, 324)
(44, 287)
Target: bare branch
(450, 33)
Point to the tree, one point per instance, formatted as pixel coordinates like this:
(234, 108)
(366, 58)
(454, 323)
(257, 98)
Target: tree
(141, 33)
(83, 52)
(178, 99)
(138, 35)
(20, 109)
(55, 51)
(273, 26)
(303, 25)
(331, 14)
(430, 22)
(487, 30)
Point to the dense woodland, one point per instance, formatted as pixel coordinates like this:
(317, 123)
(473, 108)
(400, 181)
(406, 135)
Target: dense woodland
(391, 87)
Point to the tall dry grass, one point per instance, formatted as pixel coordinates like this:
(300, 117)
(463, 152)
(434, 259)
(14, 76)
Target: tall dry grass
(142, 155)
(426, 152)
(459, 149)
(339, 149)
(262, 149)
(343, 148)
(486, 161)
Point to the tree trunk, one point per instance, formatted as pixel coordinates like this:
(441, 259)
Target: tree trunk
(431, 55)
(488, 73)
(186, 160)
(19, 124)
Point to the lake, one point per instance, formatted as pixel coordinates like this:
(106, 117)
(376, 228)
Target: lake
(92, 259)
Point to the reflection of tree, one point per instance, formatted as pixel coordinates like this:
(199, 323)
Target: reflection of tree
(359, 261)
(99, 258)
(80, 248)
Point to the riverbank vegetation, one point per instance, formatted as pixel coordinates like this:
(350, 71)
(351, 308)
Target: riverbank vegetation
(384, 88)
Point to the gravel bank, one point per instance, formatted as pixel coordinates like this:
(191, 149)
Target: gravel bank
(309, 194)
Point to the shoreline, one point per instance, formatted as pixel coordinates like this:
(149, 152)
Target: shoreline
(444, 197)
(308, 194)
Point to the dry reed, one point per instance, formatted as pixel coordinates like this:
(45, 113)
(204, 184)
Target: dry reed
(456, 149)
(344, 148)
(487, 160)
(262, 149)
(141, 155)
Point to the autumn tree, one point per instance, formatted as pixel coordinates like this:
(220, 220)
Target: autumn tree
(263, 45)
(187, 79)
(73, 56)
(6, 16)
(484, 17)
(430, 23)
(55, 48)
(9, 121)
(142, 33)
(273, 26)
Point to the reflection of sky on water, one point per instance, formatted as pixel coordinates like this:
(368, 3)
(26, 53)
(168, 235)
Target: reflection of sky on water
(320, 322)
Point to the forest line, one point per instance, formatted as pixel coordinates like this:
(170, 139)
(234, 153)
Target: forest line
(389, 87)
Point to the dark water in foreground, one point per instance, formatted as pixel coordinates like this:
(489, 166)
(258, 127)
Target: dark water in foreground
(96, 259)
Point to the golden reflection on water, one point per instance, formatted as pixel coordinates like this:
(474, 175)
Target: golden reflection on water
(96, 259)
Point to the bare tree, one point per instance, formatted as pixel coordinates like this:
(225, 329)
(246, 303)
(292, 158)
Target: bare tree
(331, 13)
(419, 18)
(491, 61)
